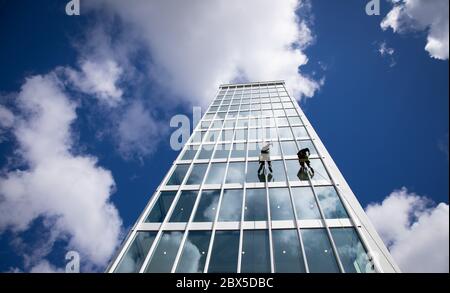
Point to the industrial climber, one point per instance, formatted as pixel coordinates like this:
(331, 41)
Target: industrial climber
(265, 157)
(303, 157)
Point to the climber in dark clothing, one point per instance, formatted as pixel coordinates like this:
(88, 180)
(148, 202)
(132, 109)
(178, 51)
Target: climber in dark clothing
(265, 157)
(303, 157)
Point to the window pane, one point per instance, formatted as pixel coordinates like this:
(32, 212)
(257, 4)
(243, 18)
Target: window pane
(299, 131)
(231, 206)
(307, 144)
(216, 173)
(330, 202)
(289, 148)
(305, 203)
(280, 204)
(351, 251)
(278, 175)
(252, 173)
(207, 207)
(252, 134)
(206, 152)
(294, 120)
(197, 174)
(239, 150)
(227, 135)
(165, 253)
(255, 252)
(224, 254)
(282, 121)
(183, 209)
(254, 149)
(212, 136)
(287, 252)
(217, 124)
(241, 134)
(193, 257)
(162, 205)
(319, 169)
(291, 112)
(275, 150)
(189, 154)
(136, 253)
(293, 169)
(178, 175)
(222, 151)
(318, 251)
(285, 132)
(198, 136)
(255, 205)
(242, 123)
(236, 173)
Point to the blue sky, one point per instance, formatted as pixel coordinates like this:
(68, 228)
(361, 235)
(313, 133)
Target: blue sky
(383, 117)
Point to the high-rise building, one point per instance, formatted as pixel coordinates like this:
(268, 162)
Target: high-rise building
(215, 212)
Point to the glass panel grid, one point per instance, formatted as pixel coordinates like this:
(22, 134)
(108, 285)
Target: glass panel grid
(219, 161)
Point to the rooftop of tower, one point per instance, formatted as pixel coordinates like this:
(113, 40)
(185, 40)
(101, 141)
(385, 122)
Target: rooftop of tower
(250, 84)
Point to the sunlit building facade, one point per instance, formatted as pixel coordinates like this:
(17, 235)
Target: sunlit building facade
(213, 212)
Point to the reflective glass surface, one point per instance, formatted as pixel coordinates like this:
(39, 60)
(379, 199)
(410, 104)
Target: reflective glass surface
(194, 253)
(318, 251)
(165, 253)
(255, 208)
(222, 151)
(161, 206)
(289, 148)
(224, 254)
(216, 173)
(189, 154)
(255, 252)
(133, 259)
(207, 207)
(184, 206)
(178, 175)
(305, 203)
(206, 152)
(197, 174)
(278, 175)
(330, 202)
(236, 172)
(287, 252)
(280, 204)
(231, 206)
(351, 251)
(252, 173)
(239, 150)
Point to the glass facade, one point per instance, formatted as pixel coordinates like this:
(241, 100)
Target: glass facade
(218, 211)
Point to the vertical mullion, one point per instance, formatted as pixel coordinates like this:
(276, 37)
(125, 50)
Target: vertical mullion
(241, 223)
(269, 215)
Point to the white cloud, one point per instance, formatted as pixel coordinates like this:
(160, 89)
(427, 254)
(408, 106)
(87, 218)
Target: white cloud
(45, 267)
(422, 15)
(6, 117)
(197, 45)
(417, 235)
(70, 191)
(6, 121)
(138, 132)
(98, 78)
(386, 51)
